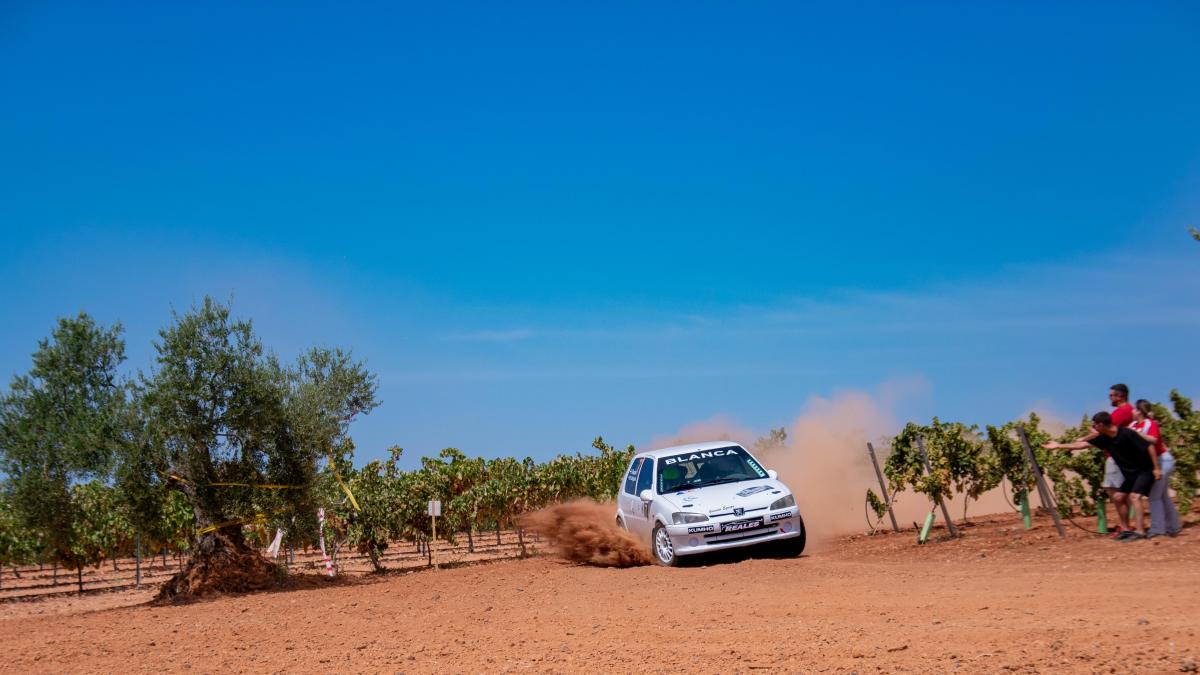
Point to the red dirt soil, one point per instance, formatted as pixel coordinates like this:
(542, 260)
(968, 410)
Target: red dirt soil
(999, 599)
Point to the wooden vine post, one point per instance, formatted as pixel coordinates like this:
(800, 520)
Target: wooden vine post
(1044, 494)
(945, 512)
(883, 486)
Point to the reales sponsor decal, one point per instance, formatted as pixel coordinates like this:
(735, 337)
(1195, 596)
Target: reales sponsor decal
(707, 454)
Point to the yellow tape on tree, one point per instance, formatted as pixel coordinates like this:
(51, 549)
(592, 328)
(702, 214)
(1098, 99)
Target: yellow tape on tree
(261, 486)
(345, 488)
(239, 521)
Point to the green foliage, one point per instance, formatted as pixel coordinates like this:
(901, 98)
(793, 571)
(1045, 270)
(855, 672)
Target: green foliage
(61, 427)
(877, 505)
(965, 463)
(18, 544)
(221, 409)
(1076, 477)
(956, 457)
(103, 530)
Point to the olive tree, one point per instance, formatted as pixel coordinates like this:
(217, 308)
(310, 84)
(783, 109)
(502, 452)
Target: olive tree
(226, 418)
(61, 426)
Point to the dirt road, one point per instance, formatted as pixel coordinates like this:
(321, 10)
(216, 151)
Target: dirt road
(998, 600)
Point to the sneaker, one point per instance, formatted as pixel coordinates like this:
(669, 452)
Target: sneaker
(1132, 535)
(1116, 533)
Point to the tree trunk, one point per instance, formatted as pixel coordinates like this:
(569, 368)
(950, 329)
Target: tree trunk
(497, 533)
(79, 576)
(56, 573)
(164, 554)
(375, 559)
(470, 541)
(222, 562)
(115, 568)
(521, 540)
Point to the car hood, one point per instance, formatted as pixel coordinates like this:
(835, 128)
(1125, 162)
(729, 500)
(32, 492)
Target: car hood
(716, 499)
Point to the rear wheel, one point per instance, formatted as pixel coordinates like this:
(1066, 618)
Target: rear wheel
(664, 552)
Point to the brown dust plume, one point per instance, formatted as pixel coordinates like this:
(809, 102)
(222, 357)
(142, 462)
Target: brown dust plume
(585, 531)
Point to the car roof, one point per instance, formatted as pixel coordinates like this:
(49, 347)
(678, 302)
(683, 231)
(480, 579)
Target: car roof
(688, 447)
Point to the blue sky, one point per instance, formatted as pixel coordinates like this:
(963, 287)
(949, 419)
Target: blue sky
(540, 223)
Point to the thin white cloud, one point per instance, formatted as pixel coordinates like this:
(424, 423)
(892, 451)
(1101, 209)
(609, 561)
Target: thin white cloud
(511, 335)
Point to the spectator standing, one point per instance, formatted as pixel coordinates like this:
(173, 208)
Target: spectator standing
(1122, 416)
(1164, 517)
(1118, 396)
(1137, 461)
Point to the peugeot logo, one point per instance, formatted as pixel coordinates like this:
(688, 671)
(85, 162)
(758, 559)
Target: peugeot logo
(739, 511)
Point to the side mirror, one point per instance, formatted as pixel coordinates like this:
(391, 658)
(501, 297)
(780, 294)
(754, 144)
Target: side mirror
(646, 495)
(772, 474)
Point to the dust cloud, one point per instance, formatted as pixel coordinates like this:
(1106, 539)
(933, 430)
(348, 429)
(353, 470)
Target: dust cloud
(825, 460)
(718, 428)
(585, 531)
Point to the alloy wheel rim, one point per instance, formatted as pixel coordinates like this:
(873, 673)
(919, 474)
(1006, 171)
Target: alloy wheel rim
(662, 545)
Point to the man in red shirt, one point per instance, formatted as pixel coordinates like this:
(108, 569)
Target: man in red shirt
(1122, 414)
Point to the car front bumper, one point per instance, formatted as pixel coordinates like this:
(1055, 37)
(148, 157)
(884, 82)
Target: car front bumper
(693, 538)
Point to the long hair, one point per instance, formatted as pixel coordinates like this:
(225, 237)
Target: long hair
(1146, 408)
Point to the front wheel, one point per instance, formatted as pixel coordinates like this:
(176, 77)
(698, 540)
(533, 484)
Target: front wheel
(793, 547)
(664, 552)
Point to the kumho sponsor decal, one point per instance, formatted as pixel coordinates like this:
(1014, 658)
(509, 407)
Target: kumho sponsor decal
(707, 454)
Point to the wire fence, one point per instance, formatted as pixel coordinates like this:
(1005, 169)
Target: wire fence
(37, 582)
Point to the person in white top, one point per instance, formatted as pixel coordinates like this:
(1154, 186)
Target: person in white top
(1164, 517)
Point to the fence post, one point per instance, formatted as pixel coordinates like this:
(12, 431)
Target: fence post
(941, 503)
(1044, 494)
(882, 486)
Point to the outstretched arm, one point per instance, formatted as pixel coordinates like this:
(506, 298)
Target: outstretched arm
(1077, 445)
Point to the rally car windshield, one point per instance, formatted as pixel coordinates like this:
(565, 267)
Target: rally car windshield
(707, 467)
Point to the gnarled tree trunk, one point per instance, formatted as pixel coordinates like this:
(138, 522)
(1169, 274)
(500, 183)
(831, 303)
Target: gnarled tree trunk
(222, 562)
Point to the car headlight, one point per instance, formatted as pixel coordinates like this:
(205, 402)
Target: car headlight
(679, 518)
(783, 502)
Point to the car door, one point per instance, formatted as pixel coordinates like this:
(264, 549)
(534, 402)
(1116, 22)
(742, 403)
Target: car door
(627, 498)
(645, 481)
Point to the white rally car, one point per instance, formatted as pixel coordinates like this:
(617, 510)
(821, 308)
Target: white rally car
(702, 497)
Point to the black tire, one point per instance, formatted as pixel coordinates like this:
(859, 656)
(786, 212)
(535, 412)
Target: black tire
(621, 524)
(659, 549)
(792, 548)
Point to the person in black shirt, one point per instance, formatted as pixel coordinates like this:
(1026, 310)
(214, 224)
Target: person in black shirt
(1137, 460)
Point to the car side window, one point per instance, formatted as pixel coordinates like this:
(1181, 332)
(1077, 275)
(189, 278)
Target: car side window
(646, 478)
(631, 477)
